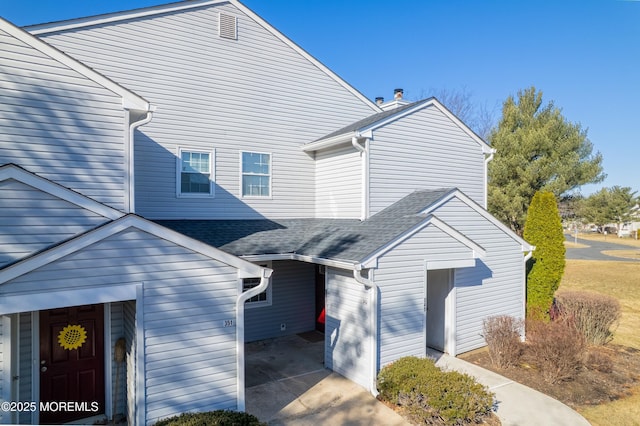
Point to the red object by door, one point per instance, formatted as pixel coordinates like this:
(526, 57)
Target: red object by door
(71, 363)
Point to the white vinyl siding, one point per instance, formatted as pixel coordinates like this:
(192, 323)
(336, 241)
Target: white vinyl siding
(347, 329)
(400, 276)
(61, 125)
(338, 183)
(495, 286)
(255, 94)
(425, 150)
(32, 220)
(293, 296)
(190, 356)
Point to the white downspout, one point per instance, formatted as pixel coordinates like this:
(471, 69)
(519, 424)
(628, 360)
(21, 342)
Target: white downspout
(371, 285)
(364, 152)
(243, 297)
(130, 160)
(486, 176)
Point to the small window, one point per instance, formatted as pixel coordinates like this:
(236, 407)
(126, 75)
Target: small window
(256, 174)
(195, 173)
(262, 299)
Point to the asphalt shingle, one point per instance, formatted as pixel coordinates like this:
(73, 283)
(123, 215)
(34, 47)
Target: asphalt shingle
(348, 240)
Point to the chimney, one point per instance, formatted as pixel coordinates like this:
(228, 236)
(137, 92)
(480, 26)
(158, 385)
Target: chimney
(397, 94)
(379, 100)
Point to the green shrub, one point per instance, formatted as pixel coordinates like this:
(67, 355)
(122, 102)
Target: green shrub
(212, 418)
(543, 229)
(502, 334)
(557, 348)
(594, 314)
(426, 392)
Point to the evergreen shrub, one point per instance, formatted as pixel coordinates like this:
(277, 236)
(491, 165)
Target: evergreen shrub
(212, 418)
(427, 393)
(543, 229)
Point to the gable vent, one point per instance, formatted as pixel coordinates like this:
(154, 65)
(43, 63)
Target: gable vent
(227, 26)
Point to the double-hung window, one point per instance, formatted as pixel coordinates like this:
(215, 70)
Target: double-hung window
(255, 174)
(262, 299)
(195, 175)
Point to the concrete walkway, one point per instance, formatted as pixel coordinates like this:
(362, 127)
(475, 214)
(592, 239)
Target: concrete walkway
(517, 405)
(287, 384)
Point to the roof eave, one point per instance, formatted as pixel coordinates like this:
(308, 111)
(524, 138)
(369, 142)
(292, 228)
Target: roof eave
(329, 142)
(130, 100)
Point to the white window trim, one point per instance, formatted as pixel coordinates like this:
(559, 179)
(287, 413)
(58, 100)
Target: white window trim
(261, 303)
(257, 197)
(212, 168)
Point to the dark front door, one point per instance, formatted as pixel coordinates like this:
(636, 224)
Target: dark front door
(72, 362)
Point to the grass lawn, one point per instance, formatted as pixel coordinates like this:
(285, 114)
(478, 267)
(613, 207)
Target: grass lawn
(609, 239)
(622, 281)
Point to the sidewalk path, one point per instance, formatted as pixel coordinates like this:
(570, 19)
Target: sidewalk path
(517, 405)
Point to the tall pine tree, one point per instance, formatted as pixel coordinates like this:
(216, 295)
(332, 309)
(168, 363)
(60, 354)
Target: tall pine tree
(537, 149)
(543, 229)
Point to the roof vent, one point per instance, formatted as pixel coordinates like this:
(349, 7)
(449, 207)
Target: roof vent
(397, 94)
(227, 26)
(379, 100)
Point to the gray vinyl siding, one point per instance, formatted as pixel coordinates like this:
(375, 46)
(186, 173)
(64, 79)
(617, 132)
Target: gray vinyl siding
(129, 330)
(118, 370)
(424, 150)
(495, 286)
(32, 220)
(400, 276)
(339, 183)
(190, 357)
(255, 93)
(24, 368)
(60, 125)
(293, 303)
(347, 332)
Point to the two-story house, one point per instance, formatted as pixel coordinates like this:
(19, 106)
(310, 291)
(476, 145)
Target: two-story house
(160, 163)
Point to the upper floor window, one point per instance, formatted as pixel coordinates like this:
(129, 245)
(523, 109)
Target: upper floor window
(256, 174)
(195, 172)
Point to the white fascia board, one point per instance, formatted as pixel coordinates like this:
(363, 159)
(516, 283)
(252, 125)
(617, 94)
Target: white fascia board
(302, 258)
(12, 171)
(525, 246)
(180, 6)
(45, 299)
(333, 141)
(328, 143)
(112, 228)
(476, 251)
(129, 99)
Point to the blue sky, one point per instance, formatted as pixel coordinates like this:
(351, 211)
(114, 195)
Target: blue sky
(583, 54)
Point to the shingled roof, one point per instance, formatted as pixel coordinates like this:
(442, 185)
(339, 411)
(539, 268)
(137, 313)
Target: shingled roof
(347, 240)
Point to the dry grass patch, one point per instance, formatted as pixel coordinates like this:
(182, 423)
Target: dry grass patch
(571, 244)
(610, 239)
(618, 279)
(625, 254)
